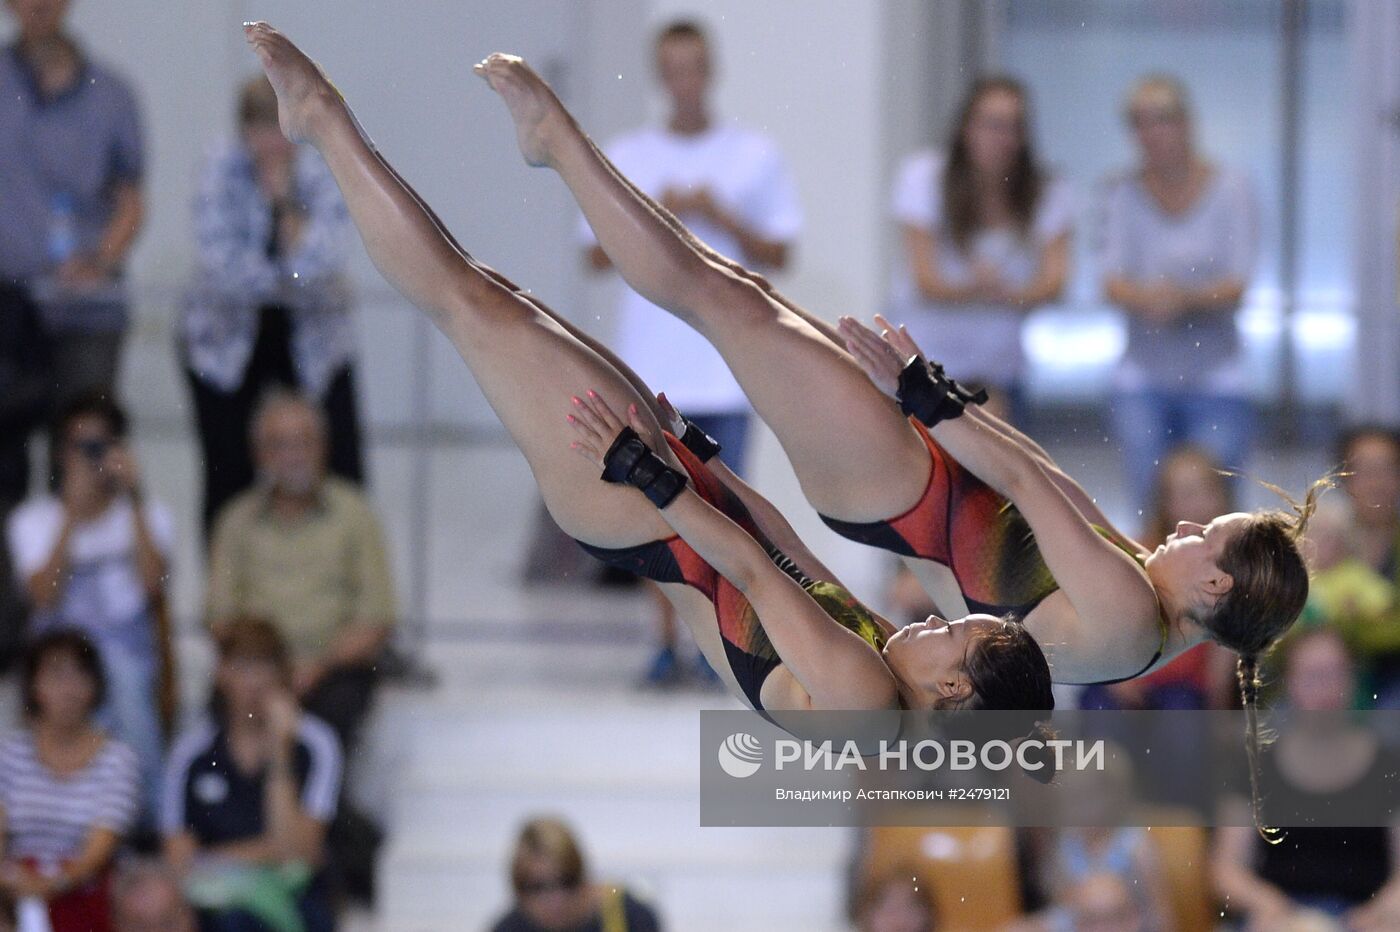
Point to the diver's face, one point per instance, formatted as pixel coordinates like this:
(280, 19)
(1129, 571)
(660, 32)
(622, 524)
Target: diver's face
(929, 659)
(1189, 560)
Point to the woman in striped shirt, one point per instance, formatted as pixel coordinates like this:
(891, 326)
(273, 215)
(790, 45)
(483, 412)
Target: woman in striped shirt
(67, 791)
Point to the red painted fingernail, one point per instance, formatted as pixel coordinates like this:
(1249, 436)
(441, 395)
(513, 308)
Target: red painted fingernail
(576, 400)
(570, 418)
(592, 393)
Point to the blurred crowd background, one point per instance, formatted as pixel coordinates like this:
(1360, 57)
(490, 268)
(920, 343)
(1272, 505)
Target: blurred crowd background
(277, 593)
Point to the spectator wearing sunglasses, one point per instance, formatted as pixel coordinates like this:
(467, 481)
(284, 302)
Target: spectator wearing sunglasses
(553, 892)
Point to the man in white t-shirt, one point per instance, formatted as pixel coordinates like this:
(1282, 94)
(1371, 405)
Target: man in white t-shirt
(731, 189)
(94, 556)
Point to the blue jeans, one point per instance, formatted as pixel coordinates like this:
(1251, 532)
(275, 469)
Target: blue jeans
(130, 713)
(1148, 424)
(731, 429)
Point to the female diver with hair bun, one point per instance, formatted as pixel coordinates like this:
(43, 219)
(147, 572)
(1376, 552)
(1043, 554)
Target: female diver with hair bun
(783, 634)
(982, 514)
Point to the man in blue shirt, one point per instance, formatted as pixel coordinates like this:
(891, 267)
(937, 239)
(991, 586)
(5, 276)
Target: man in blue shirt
(71, 167)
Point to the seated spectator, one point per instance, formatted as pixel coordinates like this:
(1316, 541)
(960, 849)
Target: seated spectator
(270, 304)
(1323, 761)
(146, 897)
(896, 901)
(1344, 589)
(305, 551)
(93, 555)
(249, 793)
(553, 892)
(1099, 806)
(1190, 486)
(1105, 903)
(68, 792)
(1087, 868)
(1370, 457)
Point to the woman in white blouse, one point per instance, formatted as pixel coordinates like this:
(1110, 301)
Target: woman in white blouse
(986, 238)
(1180, 240)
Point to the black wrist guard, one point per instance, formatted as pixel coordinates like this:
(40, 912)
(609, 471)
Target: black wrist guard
(698, 442)
(926, 392)
(629, 461)
(965, 394)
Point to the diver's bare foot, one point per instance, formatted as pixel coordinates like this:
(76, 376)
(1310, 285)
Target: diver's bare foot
(541, 122)
(304, 97)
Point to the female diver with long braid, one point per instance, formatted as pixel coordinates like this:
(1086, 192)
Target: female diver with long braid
(981, 512)
(775, 623)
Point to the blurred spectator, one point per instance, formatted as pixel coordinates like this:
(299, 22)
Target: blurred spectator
(93, 555)
(1099, 807)
(1105, 903)
(249, 793)
(1352, 589)
(1370, 457)
(730, 186)
(553, 892)
(1102, 878)
(1179, 245)
(270, 304)
(1344, 591)
(896, 901)
(1319, 760)
(305, 550)
(70, 196)
(1190, 486)
(146, 897)
(67, 791)
(986, 239)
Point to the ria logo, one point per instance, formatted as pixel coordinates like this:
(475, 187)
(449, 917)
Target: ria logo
(740, 755)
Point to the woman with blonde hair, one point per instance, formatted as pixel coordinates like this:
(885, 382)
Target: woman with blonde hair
(1178, 247)
(553, 891)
